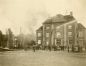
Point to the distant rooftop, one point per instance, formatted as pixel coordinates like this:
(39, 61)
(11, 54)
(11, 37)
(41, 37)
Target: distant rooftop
(40, 28)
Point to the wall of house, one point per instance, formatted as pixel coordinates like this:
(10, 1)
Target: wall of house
(71, 34)
(52, 30)
(81, 39)
(39, 36)
(46, 34)
(59, 34)
(56, 28)
(85, 38)
(68, 33)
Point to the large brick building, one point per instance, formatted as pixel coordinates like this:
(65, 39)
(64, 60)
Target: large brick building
(61, 31)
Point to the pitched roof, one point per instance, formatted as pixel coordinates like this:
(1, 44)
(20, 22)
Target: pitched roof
(80, 26)
(40, 28)
(48, 21)
(59, 18)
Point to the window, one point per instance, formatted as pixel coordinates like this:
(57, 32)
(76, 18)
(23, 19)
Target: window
(47, 34)
(58, 41)
(58, 35)
(80, 34)
(69, 34)
(57, 27)
(47, 43)
(70, 41)
(47, 27)
(70, 27)
(39, 41)
(39, 34)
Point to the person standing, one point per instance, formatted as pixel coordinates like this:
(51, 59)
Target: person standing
(34, 45)
(68, 48)
(34, 48)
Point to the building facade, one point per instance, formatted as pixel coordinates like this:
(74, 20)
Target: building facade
(61, 31)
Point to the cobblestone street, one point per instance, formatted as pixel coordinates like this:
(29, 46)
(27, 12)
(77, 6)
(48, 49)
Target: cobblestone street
(42, 58)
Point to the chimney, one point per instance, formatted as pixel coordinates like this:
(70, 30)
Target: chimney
(71, 13)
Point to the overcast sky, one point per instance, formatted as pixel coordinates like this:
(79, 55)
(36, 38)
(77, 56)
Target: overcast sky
(30, 14)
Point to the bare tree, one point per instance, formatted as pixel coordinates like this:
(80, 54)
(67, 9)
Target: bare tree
(10, 38)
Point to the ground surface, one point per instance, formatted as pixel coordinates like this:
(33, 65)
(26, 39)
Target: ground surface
(42, 58)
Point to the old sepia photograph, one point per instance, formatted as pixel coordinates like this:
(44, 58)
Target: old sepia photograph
(42, 32)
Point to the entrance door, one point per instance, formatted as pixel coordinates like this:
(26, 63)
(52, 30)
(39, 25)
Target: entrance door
(58, 44)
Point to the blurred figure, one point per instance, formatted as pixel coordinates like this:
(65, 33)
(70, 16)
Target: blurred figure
(34, 45)
(68, 48)
(34, 48)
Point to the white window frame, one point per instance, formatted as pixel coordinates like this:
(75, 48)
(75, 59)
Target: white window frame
(47, 43)
(39, 41)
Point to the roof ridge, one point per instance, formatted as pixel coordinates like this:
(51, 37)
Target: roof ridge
(59, 18)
